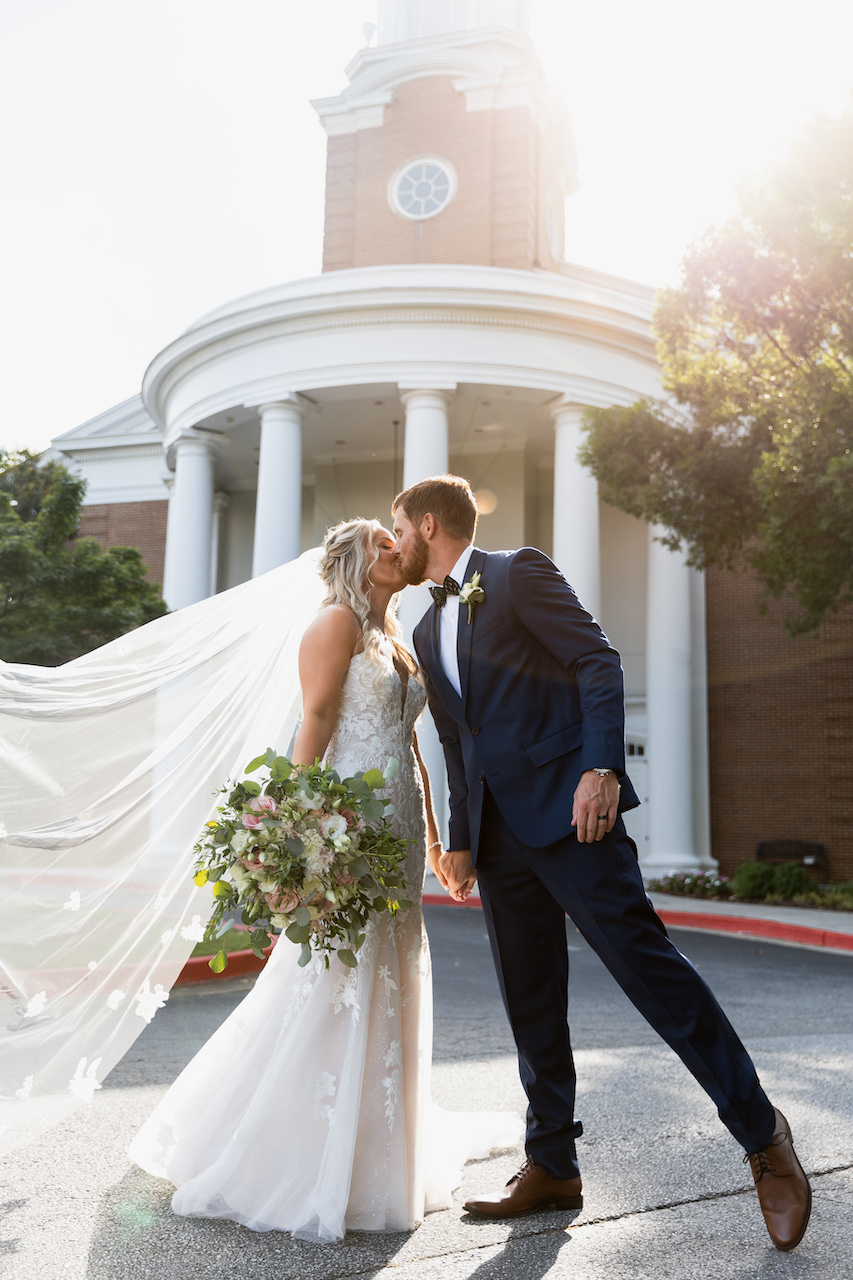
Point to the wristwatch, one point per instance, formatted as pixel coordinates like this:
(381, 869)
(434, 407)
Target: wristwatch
(602, 773)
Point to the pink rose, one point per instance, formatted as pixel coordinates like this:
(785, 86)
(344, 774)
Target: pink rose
(282, 902)
(252, 864)
(263, 804)
(251, 820)
(350, 816)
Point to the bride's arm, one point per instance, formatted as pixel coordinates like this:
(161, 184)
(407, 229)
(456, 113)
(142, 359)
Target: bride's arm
(433, 840)
(324, 656)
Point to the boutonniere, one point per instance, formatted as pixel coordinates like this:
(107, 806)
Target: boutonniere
(472, 594)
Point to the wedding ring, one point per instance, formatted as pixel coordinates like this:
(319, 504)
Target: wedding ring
(602, 817)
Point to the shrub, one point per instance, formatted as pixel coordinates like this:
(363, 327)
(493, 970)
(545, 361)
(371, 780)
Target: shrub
(687, 884)
(752, 880)
(790, 880)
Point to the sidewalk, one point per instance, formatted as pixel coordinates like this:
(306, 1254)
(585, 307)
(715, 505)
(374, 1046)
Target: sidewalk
(794, 926)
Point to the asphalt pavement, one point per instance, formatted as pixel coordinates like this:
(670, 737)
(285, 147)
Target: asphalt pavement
(667, 1196)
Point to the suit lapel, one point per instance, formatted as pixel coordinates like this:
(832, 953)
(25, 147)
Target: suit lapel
(465, 631)
(443, 687)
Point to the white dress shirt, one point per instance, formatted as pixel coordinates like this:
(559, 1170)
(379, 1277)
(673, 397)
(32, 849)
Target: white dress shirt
(448, 624)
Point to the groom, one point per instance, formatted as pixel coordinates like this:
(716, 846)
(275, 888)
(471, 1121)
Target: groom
(526, 692)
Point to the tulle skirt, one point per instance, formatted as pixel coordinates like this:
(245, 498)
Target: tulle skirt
(309, 1108)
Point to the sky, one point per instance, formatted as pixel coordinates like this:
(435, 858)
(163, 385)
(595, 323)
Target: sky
(160, 157)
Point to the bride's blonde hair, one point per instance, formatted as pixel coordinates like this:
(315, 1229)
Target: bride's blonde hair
(349, 551)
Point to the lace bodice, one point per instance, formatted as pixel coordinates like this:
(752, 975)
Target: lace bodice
(376, 720)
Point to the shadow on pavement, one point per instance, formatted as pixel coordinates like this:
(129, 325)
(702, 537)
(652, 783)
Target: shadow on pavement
(137, 1237)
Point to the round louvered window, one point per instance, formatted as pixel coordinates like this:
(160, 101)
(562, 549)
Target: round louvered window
(423, 188)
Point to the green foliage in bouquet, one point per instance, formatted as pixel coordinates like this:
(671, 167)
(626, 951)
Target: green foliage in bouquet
(303, 852)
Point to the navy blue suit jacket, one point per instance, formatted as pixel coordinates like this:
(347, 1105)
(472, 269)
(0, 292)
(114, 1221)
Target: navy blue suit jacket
(542, 700)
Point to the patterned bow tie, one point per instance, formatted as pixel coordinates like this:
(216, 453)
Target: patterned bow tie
(439, 594)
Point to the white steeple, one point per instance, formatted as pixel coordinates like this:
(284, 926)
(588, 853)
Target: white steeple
(402, 20)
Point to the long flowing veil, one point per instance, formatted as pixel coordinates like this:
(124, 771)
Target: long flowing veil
(108, 769)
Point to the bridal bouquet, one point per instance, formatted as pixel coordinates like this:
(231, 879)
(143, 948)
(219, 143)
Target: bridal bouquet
(305, 853)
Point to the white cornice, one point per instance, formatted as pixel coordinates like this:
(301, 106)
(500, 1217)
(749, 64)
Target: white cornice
(89, 450)
(493, 68)
(109, 496)
(580, 306)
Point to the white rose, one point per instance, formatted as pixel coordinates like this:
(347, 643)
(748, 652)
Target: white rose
(241, 840)
(334, 826)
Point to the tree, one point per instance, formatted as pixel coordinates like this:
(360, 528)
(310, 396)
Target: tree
(60, 595)
(750, 463)
(27, 480)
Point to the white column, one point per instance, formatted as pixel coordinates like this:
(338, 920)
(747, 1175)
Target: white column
(278, 514)
(426, 454)
(669, 739)
(426, 448)
(186, 576)
(221, 501)
(576, 539)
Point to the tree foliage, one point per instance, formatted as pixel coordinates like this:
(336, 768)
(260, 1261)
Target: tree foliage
(751, 463)
(60, 595)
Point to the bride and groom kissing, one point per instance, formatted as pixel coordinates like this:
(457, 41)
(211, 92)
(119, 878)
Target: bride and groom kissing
(527, 695)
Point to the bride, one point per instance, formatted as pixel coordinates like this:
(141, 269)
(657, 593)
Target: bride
(309, 1108)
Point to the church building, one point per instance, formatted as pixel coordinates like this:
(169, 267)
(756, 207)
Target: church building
(446, 331)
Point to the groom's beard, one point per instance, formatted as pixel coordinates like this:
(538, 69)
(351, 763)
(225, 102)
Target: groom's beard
(414, 567)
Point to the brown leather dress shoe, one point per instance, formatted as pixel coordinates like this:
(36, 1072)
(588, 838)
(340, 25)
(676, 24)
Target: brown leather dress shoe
(531, 1188)
(783, 1189)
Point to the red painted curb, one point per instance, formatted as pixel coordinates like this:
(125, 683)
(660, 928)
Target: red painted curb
(197, 968)
(240, 963)
(445, 900)
(774, 930)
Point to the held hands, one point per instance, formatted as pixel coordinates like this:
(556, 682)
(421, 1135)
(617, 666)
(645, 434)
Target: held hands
(456, 872)
(596, 799)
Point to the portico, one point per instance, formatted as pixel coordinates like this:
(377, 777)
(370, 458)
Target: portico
(318, 400)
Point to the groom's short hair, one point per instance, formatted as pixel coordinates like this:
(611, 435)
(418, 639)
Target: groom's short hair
(448, 498)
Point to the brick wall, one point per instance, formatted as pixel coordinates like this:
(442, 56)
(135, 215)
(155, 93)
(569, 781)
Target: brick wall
(780, 727)
(130, 524)
(493, 218)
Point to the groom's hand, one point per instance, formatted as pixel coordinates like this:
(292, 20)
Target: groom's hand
(458, 872)
(596, 806)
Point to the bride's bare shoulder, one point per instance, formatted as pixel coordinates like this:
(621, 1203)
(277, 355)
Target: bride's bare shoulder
(335, 629)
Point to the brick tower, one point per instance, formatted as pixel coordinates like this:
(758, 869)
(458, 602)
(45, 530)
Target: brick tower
(447, 145)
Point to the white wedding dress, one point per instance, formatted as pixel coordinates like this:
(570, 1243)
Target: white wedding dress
(309, 1109)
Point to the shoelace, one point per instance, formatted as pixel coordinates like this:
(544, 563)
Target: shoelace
(522, 1173)
(764, 1162)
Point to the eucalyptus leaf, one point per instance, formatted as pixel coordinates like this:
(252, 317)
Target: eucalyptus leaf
(302, 915)
(294, 846)
(252, 788)
(372, 809)
(219, 962)
(298, 932)
(222, 889)
(304, 956)
(346, 957)
(255, 764)
(374, 778)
